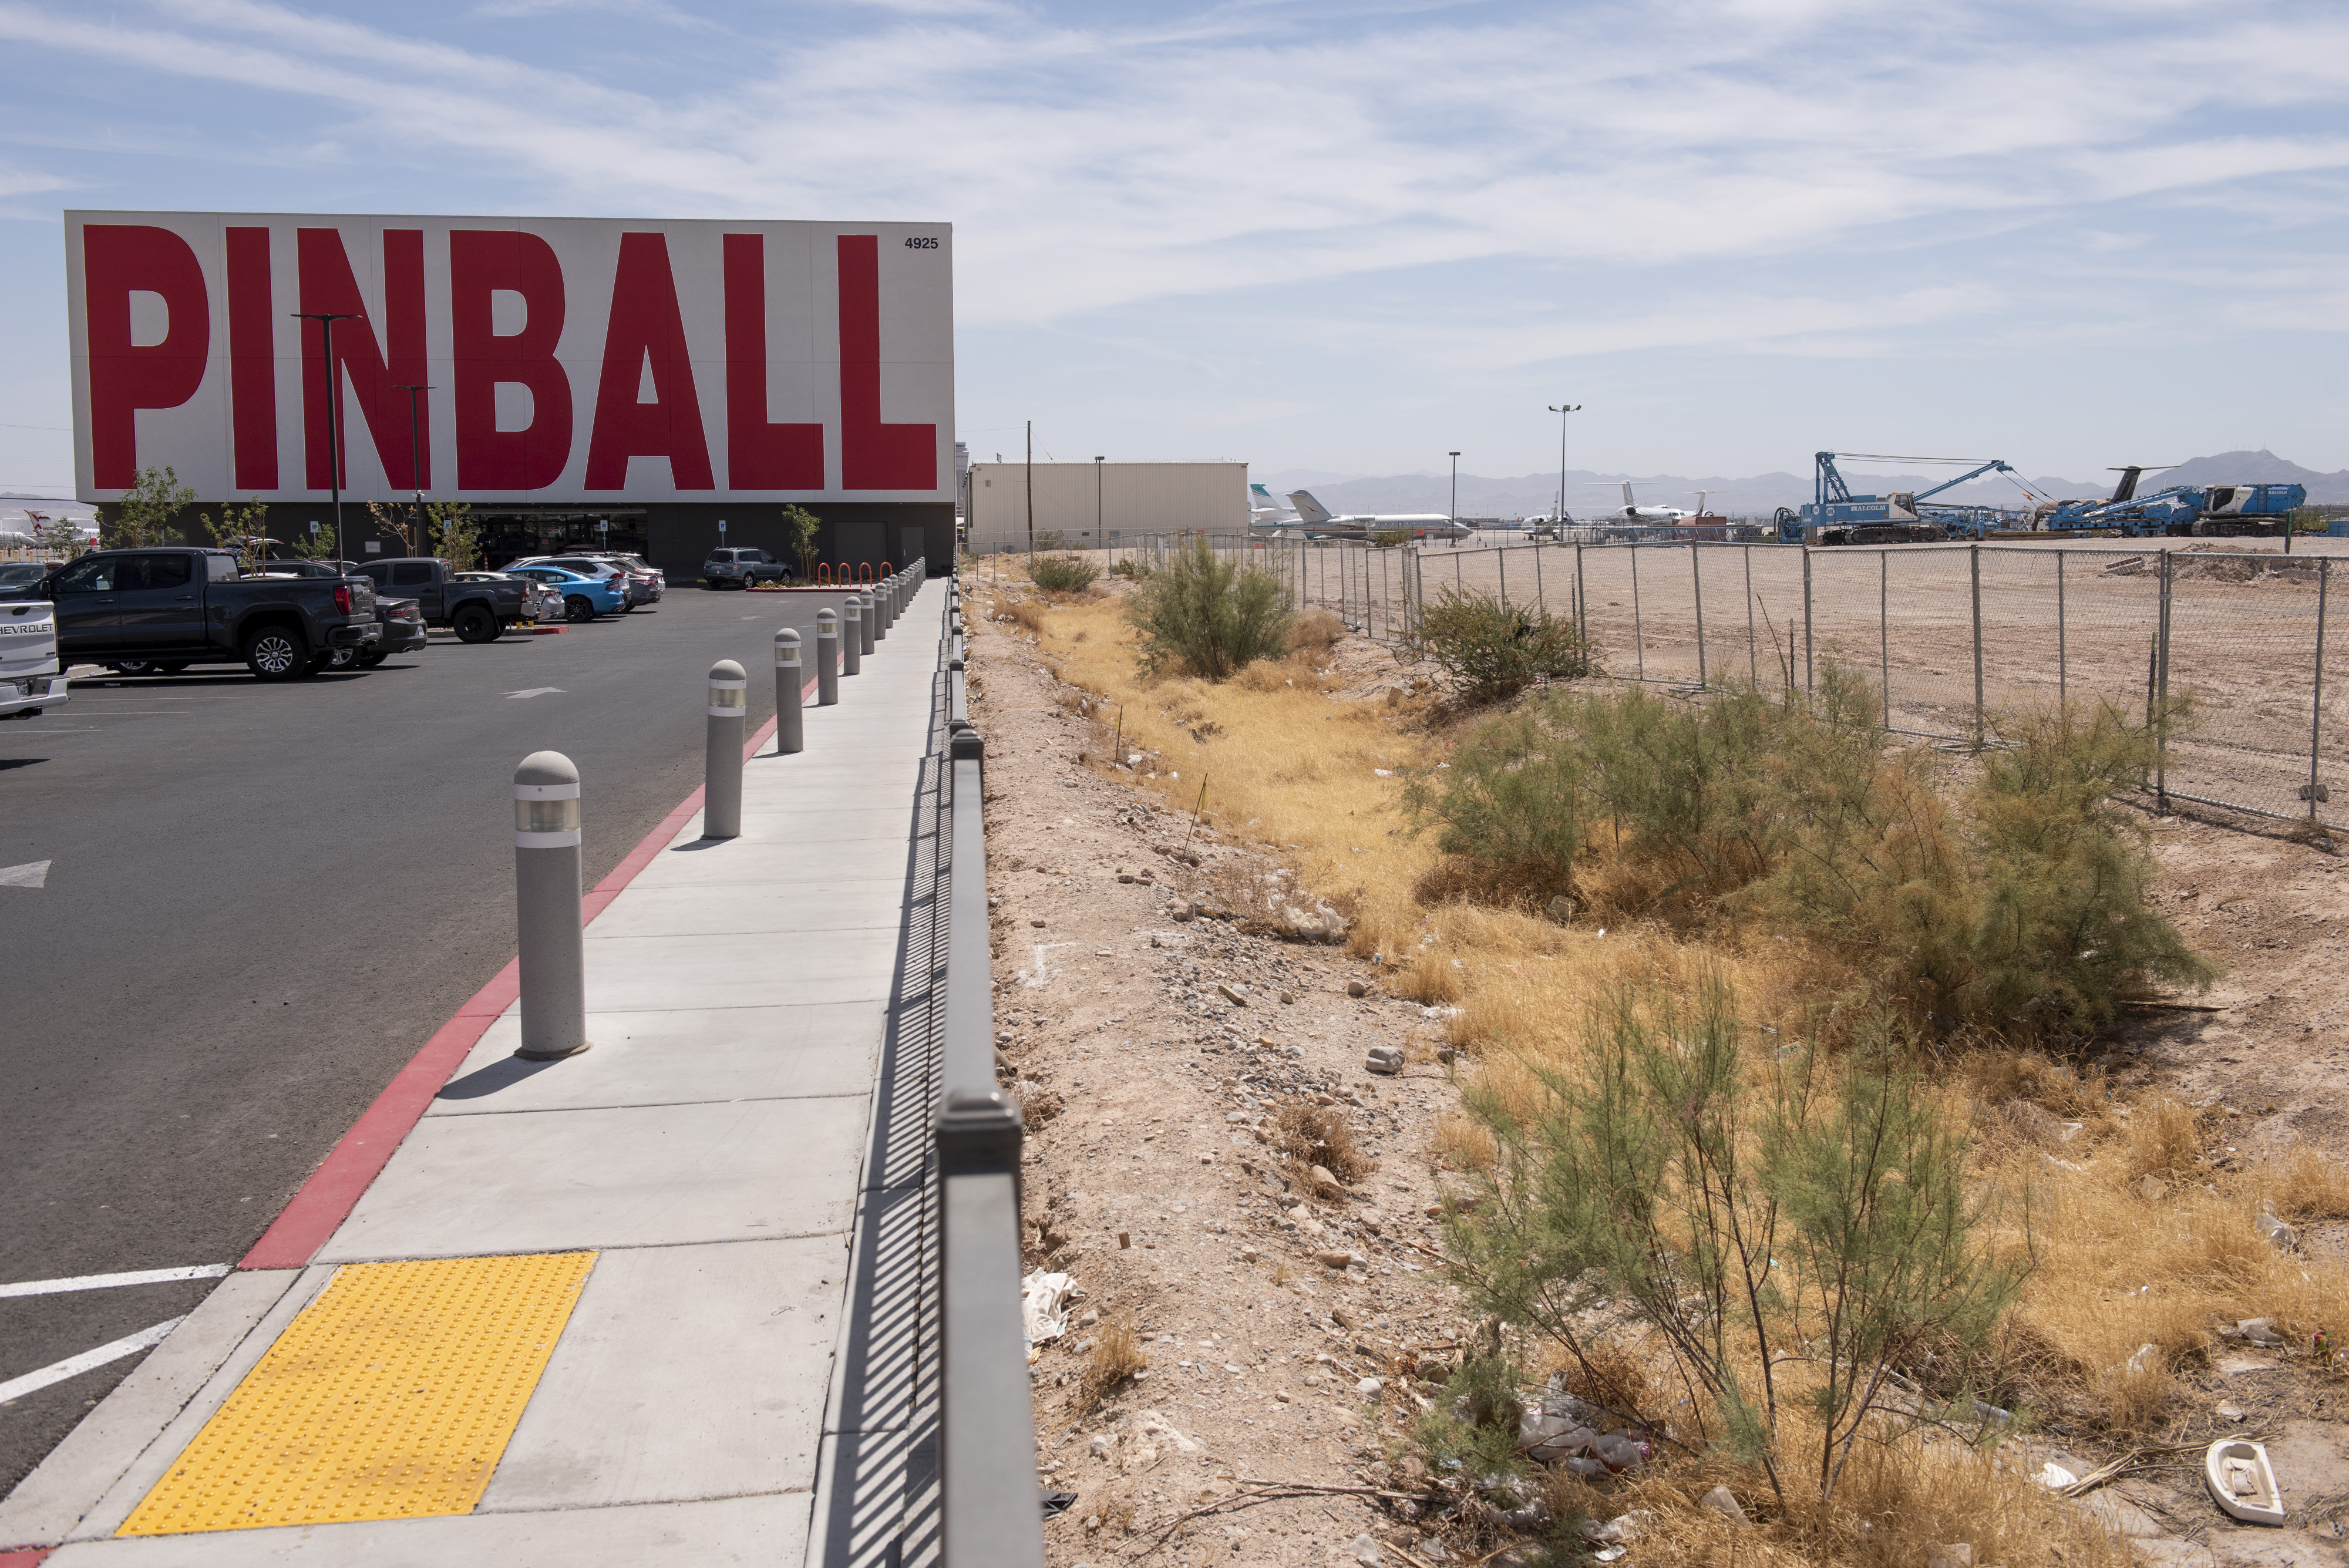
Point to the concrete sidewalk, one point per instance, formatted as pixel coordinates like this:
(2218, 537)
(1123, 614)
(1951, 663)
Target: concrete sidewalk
(670, 1294)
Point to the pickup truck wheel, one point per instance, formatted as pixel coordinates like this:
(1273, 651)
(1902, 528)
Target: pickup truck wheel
(131, 666)
(277, 653)
(575, 607)
(476, 624)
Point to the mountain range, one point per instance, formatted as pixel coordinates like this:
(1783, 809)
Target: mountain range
(1759, 495)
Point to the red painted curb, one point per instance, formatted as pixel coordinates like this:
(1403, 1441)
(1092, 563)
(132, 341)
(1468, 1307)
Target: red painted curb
(29, 1557)
(334, 1189)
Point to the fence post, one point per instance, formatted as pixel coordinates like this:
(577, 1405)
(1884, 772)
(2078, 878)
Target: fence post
(1639, 630)
(553, 956)
(1752, 652)
(1501, 560)
(2161, 695)
(2063, 639)
(1884, 626)
(2316, 697)
(1581, 597)
(1973, 562)
(1696, 580)
(791, 724)
(1540, 603)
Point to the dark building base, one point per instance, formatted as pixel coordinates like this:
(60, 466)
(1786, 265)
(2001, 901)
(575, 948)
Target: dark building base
(675, 536)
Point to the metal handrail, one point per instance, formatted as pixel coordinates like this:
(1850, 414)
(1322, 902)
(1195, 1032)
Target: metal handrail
(987, 1451)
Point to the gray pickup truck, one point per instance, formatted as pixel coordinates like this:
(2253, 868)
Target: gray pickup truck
(476, 611)
(164, 607)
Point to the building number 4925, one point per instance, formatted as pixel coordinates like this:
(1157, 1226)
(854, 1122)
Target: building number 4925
(921, 244)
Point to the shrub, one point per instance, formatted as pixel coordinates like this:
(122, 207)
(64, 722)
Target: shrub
(1494, 651)
(1793, 1230)
(1133, 567)
(1207, 615)
(1315, 633)
(1062, 574)
(1387, 538)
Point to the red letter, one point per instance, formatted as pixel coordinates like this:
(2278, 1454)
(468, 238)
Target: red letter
(118, 259)
(376, 376)
(873, 456)
(251, 360)
(759, 456)
(645, 324)
(480, 261)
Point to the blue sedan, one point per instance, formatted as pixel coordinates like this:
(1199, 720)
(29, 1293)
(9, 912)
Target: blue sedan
(583, 598)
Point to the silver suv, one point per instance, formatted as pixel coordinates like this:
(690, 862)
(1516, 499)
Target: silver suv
(741, 569)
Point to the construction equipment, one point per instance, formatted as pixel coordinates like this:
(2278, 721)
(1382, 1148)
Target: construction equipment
(1836, 516)
(2206, 510)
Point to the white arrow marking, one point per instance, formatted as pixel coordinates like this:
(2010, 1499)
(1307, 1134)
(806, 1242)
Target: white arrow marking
(108, 1282)
(73, 1366)
(536, 691)
(34, 875)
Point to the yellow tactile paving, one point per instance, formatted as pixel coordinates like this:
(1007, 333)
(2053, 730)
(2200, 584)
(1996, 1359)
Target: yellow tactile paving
(390, 1396)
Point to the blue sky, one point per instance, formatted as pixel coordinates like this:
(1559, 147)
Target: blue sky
(1348, 237)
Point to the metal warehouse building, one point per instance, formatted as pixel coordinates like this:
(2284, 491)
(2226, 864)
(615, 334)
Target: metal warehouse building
(1083, 504)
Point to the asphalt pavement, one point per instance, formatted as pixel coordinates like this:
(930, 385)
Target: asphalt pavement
(260, 900)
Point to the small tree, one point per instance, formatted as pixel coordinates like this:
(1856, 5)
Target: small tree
(456, 533)
(801, 527)
(1496, 651)
(57, 535)
(144, 517)
(1209, 616)
(242, 529)
(402, 524)
(312, 543)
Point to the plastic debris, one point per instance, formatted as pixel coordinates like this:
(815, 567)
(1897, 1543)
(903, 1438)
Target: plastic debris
(1044, 1307)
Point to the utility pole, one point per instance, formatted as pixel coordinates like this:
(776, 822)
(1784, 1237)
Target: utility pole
(1032, 487)
(416, 469)
(325, 320)
(1561, 410)
(1456, 490)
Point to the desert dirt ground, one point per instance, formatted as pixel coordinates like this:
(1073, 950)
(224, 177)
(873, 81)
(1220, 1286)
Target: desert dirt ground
(1290, 1336)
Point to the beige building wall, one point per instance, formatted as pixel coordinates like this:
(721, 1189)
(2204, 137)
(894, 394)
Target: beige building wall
(1085, 503)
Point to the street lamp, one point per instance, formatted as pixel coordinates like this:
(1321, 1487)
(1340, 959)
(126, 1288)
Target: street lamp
(1561, 410)
(1456, 490)
(416, 467)
(325, 320)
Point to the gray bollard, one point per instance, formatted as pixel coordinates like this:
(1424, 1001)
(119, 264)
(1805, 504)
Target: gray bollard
(546, 908)
(722, 762)
(852, 637)
(827, 659)
(865, 626)
(877, 615)
(791, 728)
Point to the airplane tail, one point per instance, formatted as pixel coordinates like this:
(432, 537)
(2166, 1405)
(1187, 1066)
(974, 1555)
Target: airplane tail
(1627, 502)
(1307, 509)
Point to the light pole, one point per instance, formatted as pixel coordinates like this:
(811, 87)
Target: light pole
(1100, 538)
(416, 468)
(1561, 410)
(1456, 490)
(325, 320)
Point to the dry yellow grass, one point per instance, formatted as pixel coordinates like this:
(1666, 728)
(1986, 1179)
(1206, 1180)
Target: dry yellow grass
(2117, 1263)
(1116, 1356)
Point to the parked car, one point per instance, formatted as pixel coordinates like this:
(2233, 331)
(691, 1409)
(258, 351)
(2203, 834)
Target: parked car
(741, 569)
(539, 602)
(31, 677)
(583, 598)
(162, 609)
(402, 621)
(15, 574)
(476, 611)
(641, 585)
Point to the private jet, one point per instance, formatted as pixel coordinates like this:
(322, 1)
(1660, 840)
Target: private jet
(1320, 522)
(1634, 512)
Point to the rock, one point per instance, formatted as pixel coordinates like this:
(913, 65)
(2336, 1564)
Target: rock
(1369, 1387)
(1036, 922)
(1384, 1059)
(1324, 1177)
(1249, 1254)
(1334, 1258)
(1288, 999)
(1723, 1501)
(1180, 914)
(1958, 1554)
(1235, 994)
(2122, 1516)
(1561, 909)
(1100, 1446)
(1357, 988)
(1366, 1552)
(2152, 1189)
(2229, 1412)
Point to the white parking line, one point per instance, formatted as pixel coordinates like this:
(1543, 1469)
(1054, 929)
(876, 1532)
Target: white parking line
(129, 1345)
(109, 1282)
(536, 691)
(33, 873)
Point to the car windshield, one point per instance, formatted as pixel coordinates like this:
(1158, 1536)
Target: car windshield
(22, 572)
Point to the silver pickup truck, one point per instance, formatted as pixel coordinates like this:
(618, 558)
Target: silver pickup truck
(31, 677)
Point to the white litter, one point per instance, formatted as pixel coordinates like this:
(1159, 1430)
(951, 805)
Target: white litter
(1044, 1307)
(2055, 1477)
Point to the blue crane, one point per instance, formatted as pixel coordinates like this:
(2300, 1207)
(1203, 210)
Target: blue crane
(1844, 518)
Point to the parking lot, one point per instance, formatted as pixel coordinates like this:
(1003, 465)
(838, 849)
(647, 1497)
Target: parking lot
(259, 900)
